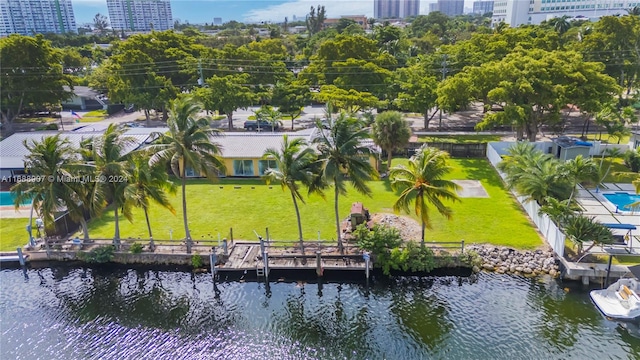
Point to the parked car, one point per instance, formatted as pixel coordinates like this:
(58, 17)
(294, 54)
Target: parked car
(260, 125)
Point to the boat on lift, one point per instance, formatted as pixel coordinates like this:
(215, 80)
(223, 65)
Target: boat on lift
(619, 301)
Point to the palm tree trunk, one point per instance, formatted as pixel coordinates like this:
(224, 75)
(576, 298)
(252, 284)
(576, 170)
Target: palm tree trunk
(389, 157)
(230, 119)
(423, 230)
(184, 210)
(340, 247)
(85, 228)
(116, 236)
(152, 246)
(295, 205)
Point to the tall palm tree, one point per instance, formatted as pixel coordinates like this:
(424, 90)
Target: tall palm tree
(344, 158)
(149, 183)
(52, 163)
(109, 154)
(294, 162)
(579, 170)
(560, 24)
(422, 182)
(188, 144)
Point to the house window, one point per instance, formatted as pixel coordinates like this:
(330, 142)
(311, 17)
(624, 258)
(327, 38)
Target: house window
(263, 165)
(189, 172)
(243, 167)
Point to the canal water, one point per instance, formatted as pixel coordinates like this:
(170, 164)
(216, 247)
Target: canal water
(76, 313)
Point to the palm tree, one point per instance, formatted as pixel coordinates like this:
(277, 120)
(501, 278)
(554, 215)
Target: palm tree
(580, 229)
(52, 164)
(560, 24)
(344, 158)
(149, 183)
(188, 144)
(579, 170)
(634, 11)
(422, 182)
(109, 154)
(391, 132)
(294, 161)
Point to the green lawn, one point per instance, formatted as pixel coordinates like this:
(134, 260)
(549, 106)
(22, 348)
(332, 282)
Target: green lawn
(13, 234)
(93, 116)
(617, 166)
(460, 139)
(214, 208)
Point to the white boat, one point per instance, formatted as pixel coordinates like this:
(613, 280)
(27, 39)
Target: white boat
(620, 301)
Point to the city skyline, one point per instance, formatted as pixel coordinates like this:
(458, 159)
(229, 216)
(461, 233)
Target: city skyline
(29, 17)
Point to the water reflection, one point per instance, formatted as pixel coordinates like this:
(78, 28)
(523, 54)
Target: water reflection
(107, 313)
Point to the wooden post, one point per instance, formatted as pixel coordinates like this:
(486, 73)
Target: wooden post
(261, 246)
(231, 234)
(606, 281)
(367, 258)
(319, 270)
(213, 258)
(20, 256)
(265, 258)
(225, 247)
(267, 234)
(462, 245)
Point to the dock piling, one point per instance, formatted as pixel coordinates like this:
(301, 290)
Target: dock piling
(213, 258)
(20, 256)
(367, 259)
(265, 258)
(319, 271)
(225, 247)
(267, 234)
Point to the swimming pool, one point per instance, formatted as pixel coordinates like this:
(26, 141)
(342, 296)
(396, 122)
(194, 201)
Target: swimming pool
(6, 199)
(621, 200)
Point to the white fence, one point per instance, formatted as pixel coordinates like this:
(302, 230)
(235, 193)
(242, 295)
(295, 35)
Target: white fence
(549, 230)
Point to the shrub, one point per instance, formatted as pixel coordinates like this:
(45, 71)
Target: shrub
(136, 248)
(471, 258)
(101, 254)
(632, 159)
(196, 261)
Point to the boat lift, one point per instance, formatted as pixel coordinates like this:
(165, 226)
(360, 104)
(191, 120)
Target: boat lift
(625, 240)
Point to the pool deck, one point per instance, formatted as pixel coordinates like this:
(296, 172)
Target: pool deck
(10, 212)
(595, 205)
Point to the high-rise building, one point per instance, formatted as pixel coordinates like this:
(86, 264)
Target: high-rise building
(519, 12)
(29, 17)
(482, 7)
(451, 7)
(395, 9)
(140, 15)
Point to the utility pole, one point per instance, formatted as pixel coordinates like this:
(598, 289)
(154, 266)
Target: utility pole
(201, 79)
(444, 71)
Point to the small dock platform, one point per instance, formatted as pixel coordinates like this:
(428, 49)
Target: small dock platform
(247, 256)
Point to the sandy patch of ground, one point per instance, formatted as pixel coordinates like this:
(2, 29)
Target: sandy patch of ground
(471, 189)
(409, 228)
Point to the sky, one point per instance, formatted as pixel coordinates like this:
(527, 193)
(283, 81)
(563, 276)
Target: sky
(201, 11)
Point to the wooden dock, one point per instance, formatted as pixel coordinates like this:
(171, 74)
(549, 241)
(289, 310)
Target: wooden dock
(247, 256)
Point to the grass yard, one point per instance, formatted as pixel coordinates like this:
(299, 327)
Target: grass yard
(214, 208)
(617, 166)
(13, 233)
(460, 139)
(93, 116)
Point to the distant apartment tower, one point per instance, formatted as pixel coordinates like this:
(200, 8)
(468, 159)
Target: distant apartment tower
(217, 21)
(451, 7)
(395, 9)
(482, 7)
(518, 12)
(29, 17)
(140, 15)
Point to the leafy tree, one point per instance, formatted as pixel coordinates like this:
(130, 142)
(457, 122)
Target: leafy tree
(110, 158)
(25, 61)
(100, 24)
(270, 115)
(226, 95)
(290, 97)
(315, 20)
(148, 183)
(188, 144)
(391, 132)
(344, 158)
(418, 91)
(344, 23)
(294, 162)
(615, 120)
(632, 159)
(351, 100)
(73, 62)
(422, 182)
